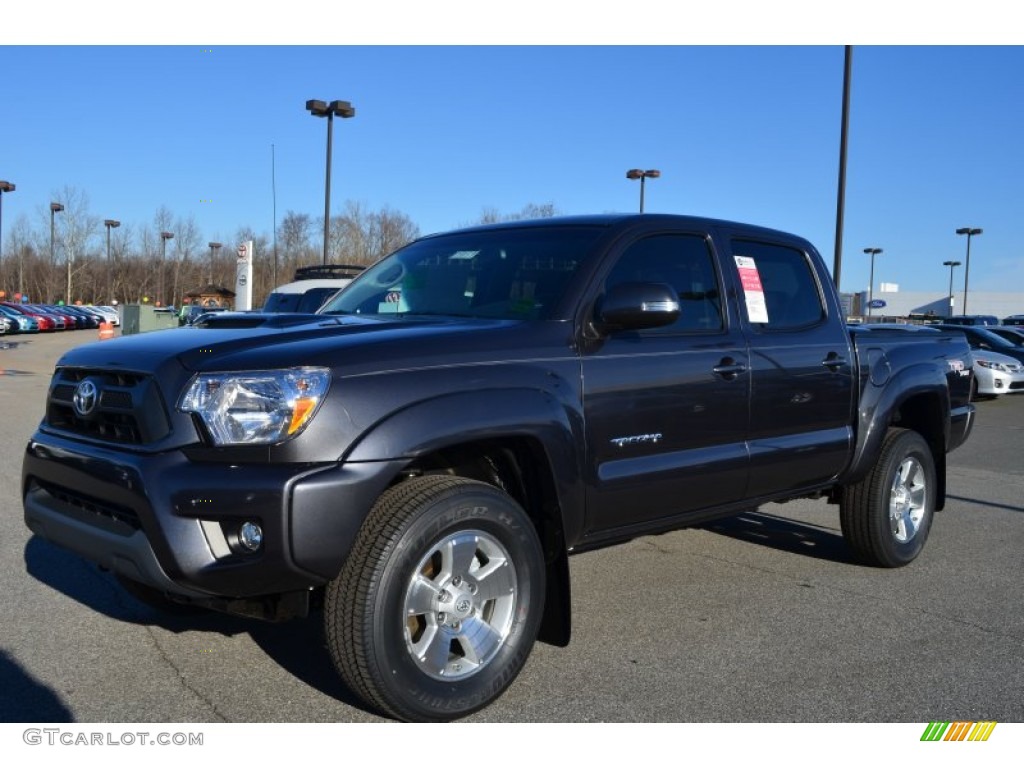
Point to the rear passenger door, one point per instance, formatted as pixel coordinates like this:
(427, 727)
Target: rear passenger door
(801, 406)
(666, 408)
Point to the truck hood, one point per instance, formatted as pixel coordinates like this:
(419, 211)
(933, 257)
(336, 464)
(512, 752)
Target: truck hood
(237, 341)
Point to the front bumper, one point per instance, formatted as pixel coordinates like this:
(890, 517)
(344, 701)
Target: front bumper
(170, 522)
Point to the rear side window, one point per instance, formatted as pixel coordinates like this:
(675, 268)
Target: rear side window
(684, 262)
(791, 295)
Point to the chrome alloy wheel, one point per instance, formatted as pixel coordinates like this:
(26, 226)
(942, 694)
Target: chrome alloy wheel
(459, 605)
(908, 500)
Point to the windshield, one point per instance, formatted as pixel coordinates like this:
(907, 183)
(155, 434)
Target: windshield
(309, 301)
(515, 273)
(993, 338)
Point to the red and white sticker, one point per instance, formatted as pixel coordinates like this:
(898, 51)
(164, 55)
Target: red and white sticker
(750, 279)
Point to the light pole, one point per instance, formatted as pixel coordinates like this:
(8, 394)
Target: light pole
(164, 237)
(871, 286)
(56, 208)
(951, 265)
(969, 231)
(110, 224)
(323, 109)
(214, 247)
(5, 186)
(635, 174)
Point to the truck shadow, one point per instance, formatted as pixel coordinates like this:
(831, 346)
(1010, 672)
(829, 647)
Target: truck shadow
(784, 535)
(297, 646)
(23, 699)
(983, 503)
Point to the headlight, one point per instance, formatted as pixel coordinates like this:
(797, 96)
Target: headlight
(256, 407)
(993, 366)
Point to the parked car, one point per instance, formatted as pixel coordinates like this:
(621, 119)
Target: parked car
(1012, 333)
(196, 311)
(45, 322)
(84, 318)
(311, 288)
(1014, 320)
(972, 320)
(110, 314)
(996, 374)
(25, 323)
(984, 339)
(70, 320)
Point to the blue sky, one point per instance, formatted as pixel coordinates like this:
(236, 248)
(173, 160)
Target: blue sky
(739, 132)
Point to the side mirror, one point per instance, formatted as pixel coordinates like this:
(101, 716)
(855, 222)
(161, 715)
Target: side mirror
(636, 306)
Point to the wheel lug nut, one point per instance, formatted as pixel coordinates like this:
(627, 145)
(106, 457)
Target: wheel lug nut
(456, 625)
(444, 597)
(457, 581)
(472, 589)
(442, 617)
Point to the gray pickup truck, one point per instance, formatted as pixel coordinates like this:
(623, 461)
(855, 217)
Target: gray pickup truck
(420, 458)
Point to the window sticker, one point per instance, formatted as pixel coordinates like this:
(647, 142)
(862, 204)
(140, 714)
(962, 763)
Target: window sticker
(394, 302)
(750, 279)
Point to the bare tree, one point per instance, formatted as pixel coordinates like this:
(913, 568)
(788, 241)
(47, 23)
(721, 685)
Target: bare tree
(19, 249)
(388, 231)
(187, 241)
(490, 215)
(295, 232)
(76, 227)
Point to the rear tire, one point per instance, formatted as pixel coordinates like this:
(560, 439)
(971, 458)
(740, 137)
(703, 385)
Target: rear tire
(438, 605)
(887, 516)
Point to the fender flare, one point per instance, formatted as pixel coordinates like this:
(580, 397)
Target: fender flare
(471, 416)
(880, 402)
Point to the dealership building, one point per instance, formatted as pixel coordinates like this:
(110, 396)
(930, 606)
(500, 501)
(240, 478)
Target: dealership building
(889, 301)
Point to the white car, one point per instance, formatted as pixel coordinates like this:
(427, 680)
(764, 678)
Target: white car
(109, 313)
(312, 287)
(996, 374)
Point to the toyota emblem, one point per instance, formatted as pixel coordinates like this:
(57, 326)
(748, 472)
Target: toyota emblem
(85, 398)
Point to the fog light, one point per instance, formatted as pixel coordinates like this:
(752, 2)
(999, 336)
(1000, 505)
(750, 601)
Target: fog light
(250, 536)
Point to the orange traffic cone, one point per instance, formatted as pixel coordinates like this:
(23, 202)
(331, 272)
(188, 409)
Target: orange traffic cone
(106, 331)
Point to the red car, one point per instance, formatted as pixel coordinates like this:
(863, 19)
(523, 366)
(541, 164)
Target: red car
(46, 322)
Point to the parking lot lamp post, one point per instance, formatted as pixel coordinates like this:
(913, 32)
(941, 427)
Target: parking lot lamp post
(872, 252)
(5, 186)
(951, 265)
(56, 208)
(636, 173)
(323, 109)
(110, 224)
(969, 231)
(214, 247)
(164, 237)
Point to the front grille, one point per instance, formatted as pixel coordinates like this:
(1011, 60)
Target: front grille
(1017, 385)
(103, 514)
(127, 408)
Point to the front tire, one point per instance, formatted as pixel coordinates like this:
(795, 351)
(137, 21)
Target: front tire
(440, 600)
(886, 517)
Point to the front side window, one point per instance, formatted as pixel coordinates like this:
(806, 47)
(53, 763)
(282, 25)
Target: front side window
(683, 262)
(516, 273)
(778, 284)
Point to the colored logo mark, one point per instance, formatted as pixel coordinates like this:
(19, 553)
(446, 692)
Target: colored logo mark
(959, 731)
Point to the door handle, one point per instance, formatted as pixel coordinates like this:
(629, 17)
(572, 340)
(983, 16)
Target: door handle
(729, 369)
(833, 361)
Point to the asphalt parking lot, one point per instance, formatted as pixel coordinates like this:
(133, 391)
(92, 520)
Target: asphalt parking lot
(761, 618)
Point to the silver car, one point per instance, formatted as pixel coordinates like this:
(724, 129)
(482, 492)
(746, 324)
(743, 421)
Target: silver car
(996, 374)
